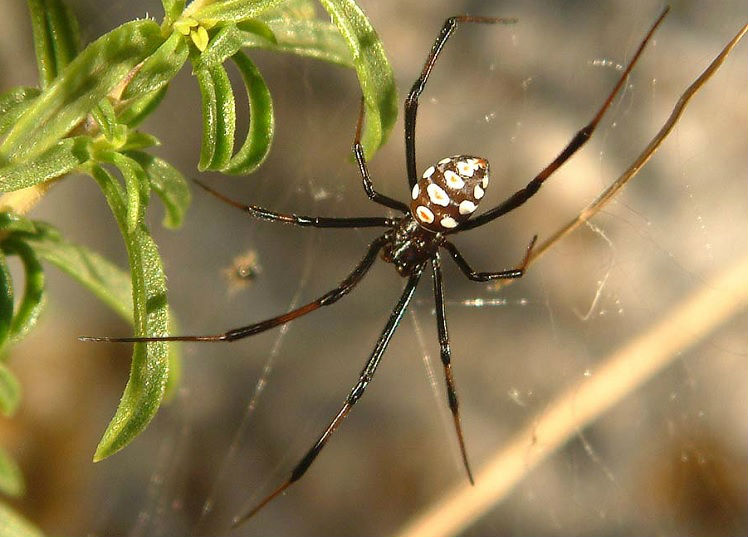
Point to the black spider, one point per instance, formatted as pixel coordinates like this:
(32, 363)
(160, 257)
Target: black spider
(442, 201)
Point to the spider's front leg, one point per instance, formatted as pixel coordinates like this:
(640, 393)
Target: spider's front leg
(298, 220)
(489, 276)
(411, 102)
(367, 373)
(576, 143)
(358, 151)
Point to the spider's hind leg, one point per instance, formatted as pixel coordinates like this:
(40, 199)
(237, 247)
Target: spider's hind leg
(446, 355)
(367, 373)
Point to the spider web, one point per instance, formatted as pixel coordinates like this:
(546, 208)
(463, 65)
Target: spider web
(667, 459)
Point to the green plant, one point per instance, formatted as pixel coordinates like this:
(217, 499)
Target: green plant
(83, 118)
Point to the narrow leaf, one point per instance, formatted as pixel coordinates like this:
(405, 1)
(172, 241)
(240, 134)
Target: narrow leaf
(313, 38)
(56, 37)
(11, 478)
(374, 72)
(292, 9)
(45, 57)
(226, 118)
(209, 113)
(257, 27)
(104, 279)
(13, 222)
(169, 184)
(73, 94)
(150, 364)
(13, 103)
(33, 299)
(139, 140)
(225, 43)
(159, 68)
(14, 525)
(233, 10)
(6, 300)
(64, 32)
(136, 185)
(261, 124)
(172, 10)
(58, 160)
(106, 118)
(10, 391)
(138, 109)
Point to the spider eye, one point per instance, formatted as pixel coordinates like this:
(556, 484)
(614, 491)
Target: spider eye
(449, 192)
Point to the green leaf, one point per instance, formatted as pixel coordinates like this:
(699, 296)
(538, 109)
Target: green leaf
(139, 140)
(150, 363)
(33, 300)
(225, 120)
(137, 186)
(261, 124)
(73, 94)
(11, 478)
(14, 525)
(56, 37)
(312, 38)
(172, 10)
(105, 116)
(10, 391)
(104, 279)
(13, 103)
(58, 160)
(233, 10)
(374, 72)
(6, 300)
(159, 68)
(140, 108)
(169, 184)
(13, 222)
(292, 9)
(257, 27)
(225, 43)
(219, 117)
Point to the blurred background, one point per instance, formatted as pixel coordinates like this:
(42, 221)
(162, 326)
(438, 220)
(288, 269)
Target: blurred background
(670, 459)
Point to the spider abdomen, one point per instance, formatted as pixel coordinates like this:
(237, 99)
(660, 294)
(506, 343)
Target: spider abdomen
(449, 192)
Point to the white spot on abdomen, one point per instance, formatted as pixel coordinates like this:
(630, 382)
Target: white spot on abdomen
(453, 180)
(467, 207)
(448, 222)
(416, 191)
(437, 195)
(424, 214)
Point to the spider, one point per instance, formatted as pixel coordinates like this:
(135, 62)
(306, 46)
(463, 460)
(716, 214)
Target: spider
(442, 202)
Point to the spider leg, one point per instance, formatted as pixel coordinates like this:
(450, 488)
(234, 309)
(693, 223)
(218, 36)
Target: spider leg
(328, 298)
(488, 276)
(446, 355)
(358, 150)
(579, 139)
(411, 102)
(303, 221)
(367, 373)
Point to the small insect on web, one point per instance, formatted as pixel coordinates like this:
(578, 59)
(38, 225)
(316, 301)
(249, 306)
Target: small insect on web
(443, 200)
